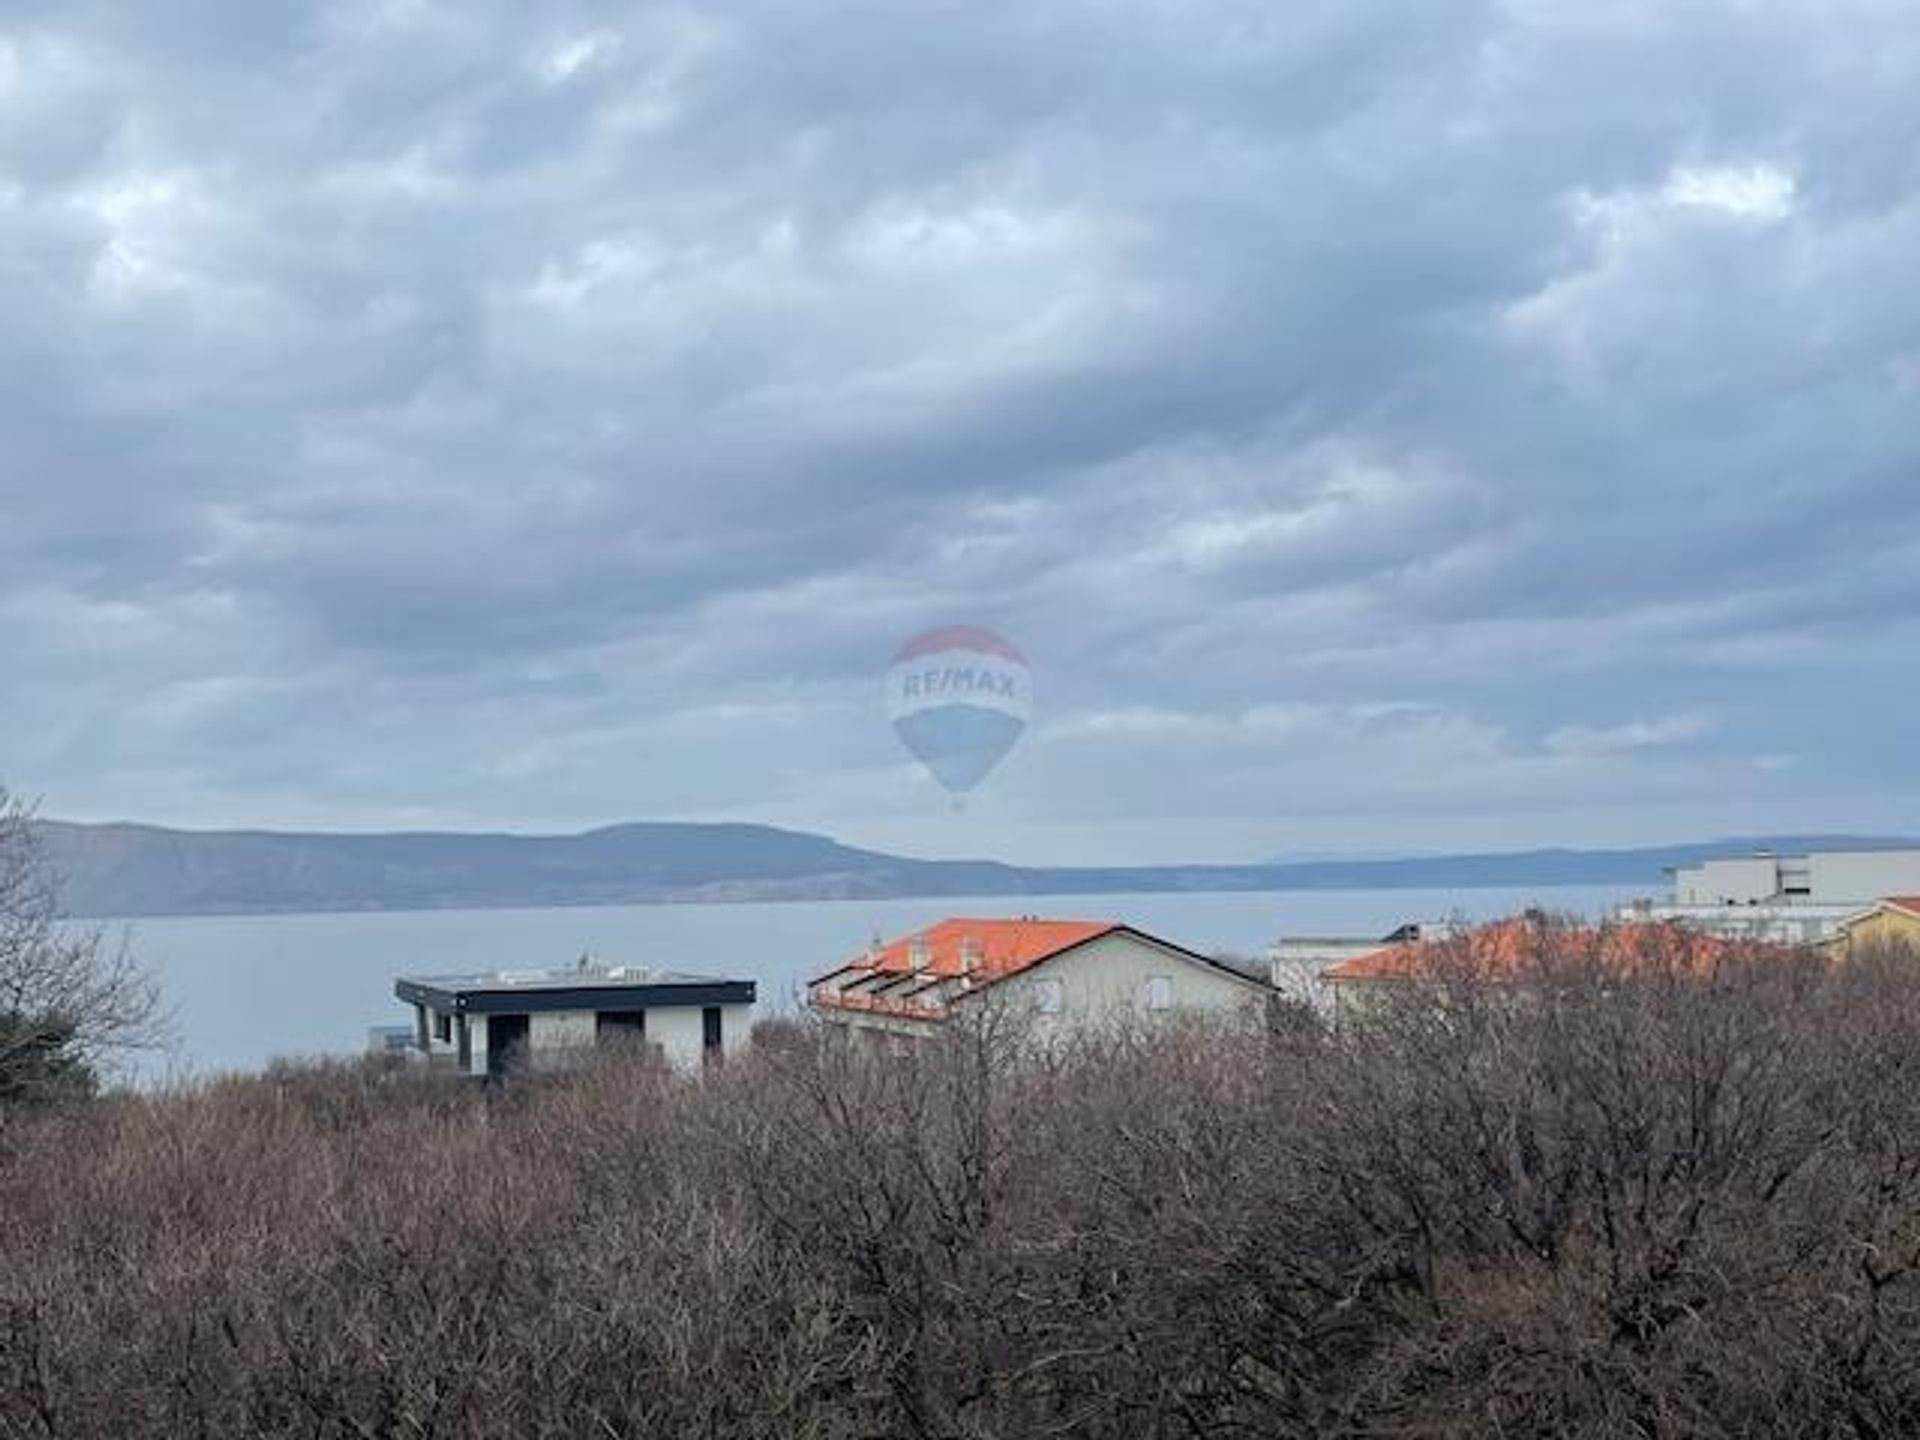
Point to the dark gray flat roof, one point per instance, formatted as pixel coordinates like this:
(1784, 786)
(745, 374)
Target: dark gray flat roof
(593, 987)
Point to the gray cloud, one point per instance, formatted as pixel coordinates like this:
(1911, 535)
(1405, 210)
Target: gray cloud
(1393, 428)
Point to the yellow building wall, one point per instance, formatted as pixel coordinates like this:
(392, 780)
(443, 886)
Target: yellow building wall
(1883, 929)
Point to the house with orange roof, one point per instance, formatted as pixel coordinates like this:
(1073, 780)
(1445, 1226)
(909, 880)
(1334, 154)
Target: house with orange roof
(1521, 950)
(1063, 973)
(1886, 924)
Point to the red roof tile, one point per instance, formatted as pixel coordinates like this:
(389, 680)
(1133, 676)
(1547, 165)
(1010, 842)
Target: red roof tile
(1512, 949)
(996, 948)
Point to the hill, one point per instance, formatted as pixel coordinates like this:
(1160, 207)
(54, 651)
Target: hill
(128, 869)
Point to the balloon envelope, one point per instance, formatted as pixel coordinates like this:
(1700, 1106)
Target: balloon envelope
(959, 697)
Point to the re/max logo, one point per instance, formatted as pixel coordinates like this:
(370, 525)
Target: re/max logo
(958, 680)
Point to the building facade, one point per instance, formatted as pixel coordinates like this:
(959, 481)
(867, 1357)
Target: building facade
(1788, 899)
(1060, 975)
(549, 1019)
(1892, 923)
(1819, 877)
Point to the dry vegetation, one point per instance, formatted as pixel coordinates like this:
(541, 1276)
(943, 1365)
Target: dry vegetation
(70, 1001)
(1600, 1204)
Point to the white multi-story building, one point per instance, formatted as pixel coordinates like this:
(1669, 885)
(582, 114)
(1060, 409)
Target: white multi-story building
(1822, 877)
(1797, 899)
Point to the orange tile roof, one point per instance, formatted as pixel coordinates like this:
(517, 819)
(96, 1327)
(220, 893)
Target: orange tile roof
(1909, 903)
(998, 948)
(1512, 949)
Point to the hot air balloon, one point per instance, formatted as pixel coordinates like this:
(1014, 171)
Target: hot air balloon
(959, 697)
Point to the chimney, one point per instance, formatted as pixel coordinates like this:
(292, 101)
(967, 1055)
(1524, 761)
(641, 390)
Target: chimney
(969, 954)
(917, 955)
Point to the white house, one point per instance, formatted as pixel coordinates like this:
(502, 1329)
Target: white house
(1062, 973)
(483, 1024)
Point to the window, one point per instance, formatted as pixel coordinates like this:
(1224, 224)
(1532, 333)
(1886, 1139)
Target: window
(1047, 996)
(624, 1030)
(621, 1024)
(1159, 992)
(443, 1027)
(710, 1051)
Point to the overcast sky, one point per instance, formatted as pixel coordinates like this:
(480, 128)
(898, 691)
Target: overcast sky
(1398, 427)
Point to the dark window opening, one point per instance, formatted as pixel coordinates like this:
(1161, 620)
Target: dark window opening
(621, 1028)
(710, 1038)
(443, 1027)
(508, 1039)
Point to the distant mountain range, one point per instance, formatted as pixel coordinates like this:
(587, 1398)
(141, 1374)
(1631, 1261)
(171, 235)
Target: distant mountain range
(127, 870)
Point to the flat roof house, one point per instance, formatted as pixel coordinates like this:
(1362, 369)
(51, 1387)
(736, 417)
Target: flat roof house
(1064, 973)
(546, 1019)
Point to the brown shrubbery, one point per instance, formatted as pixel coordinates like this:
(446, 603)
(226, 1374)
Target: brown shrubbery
(1598, 1201)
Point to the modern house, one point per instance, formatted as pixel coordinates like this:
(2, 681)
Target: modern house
(1516, 952)
(1892, 922)
(1064, 974)
(1790, 899)
(547, 1019)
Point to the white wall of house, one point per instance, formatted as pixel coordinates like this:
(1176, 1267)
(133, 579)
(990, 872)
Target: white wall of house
(1294, 966)
(676, 1030)
(736, 1032)
(449, 1048)
(1117, 976)
(680, 1032)
(1123, 975)
(557, 1038)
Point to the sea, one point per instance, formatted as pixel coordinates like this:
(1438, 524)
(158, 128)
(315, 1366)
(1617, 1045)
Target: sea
(245, 990)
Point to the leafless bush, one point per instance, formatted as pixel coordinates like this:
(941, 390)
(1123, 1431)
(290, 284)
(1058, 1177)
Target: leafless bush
(1601, 1197)
(70, 999)
(1643, 1194)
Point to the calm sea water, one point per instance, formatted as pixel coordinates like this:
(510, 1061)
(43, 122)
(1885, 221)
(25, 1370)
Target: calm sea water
(247, 989)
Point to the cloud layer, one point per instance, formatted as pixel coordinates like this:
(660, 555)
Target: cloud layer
(1393, 428)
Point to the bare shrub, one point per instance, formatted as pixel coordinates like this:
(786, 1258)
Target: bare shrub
(1611, 1191)
(71, 1001)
